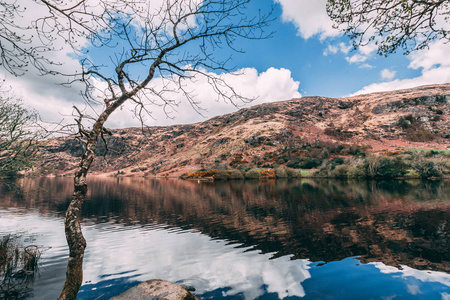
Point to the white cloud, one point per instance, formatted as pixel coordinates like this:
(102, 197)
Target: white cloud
(435, 65)
(437, 55)
(334, 49)
(387, 74)
(367, 49)
(344, 48)
(434, 76)
(331, 50)
(54, 102)
(269, 86)
(357, 58)
(310, 17)
(366, 66)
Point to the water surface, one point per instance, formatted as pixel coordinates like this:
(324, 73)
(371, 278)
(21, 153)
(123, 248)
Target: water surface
(244, 240)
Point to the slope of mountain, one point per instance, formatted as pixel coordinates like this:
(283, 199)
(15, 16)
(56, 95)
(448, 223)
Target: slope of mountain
(259, 135)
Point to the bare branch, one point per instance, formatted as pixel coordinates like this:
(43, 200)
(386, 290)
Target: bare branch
(406, 24)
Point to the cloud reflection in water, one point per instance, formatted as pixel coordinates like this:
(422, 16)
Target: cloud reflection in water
(190, 258)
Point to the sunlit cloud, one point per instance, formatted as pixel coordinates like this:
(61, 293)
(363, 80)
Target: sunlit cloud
(269, 86)
(357, 58)
(434, 65)
(338, 48)
(387, 74)
(366, 66)
(309, 17)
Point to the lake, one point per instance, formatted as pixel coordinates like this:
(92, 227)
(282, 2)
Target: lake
(300, 239)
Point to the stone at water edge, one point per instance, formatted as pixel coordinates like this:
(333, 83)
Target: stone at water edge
(156, 289)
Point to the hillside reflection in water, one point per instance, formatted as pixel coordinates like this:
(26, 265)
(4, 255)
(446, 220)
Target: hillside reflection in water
(203, 234)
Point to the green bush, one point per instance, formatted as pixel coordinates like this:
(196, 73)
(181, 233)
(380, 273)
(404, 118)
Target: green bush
(385, 167)
(294, 163)
(252, 174)
(235, 175)
(304, 163)
(336, 161)
(311, 163)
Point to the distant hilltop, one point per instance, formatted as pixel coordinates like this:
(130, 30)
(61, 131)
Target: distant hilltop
(270, 135)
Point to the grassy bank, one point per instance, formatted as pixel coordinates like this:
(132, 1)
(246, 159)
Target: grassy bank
(388, 165)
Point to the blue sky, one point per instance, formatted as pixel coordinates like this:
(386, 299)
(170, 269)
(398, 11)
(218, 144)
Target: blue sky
(320, 73)
(305, 57)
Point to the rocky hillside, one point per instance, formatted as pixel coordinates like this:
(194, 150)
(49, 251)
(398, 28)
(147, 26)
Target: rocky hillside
(262, 135)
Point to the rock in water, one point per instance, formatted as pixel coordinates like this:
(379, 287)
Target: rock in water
(156, 289)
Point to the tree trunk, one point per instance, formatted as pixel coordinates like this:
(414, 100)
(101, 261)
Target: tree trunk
(74, 236)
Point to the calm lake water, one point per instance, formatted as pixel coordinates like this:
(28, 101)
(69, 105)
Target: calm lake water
(302, 239)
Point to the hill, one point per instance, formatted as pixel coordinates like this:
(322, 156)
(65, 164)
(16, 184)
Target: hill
(271, 134)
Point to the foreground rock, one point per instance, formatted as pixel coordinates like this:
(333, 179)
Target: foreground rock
(156, 289)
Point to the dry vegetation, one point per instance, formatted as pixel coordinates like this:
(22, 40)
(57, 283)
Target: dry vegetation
(18, 267)
(305, 133)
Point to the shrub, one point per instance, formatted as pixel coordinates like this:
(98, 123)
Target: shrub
(221, 175)
(199, 174)
(280, 173)
(267, 174)
(405, 122)
(237, 160)
(414, 129)
(436, 118)
(385, 167)
(252, 174)
(426, 169)
(256, 160)
(281, 160)
(340, 171)
(338, 133)
(291, 173)
(18, 266)
(267, 166)
(309, 163)
(294, 163)
(304, 162)
(336, 161)
(235, 175)
(420, 135)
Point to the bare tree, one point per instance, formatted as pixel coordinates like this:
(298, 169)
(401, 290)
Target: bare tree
(19, 135)
(31, 29)
(175, 42)
(392, 24)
